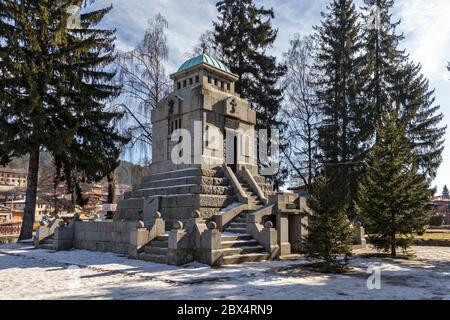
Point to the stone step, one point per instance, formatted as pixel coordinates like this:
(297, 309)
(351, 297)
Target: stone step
(242, 250)
(239, 243)
(164, 237)
(184, 173)
(240, 219)
(160, 244)
(47, 246)
(236, 236)
(153, 257)
(156, 250)
(236, 230)
(239, 225)
(241, 258)
(183, 181)
(182, 189)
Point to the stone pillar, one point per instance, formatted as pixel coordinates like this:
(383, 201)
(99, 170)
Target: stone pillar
(180, 247)
(297, 231)
(269, 239)
(359, 236)
(64, 236)
(283, 233)
(211, 246)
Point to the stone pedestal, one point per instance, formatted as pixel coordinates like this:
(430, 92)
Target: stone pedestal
(211, 247)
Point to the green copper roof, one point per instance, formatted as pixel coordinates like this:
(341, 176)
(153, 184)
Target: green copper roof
(204, 58)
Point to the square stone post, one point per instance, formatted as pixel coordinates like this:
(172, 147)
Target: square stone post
(211, 246)
(181, 250)
(269, 239)
(283, 233)
(359, 237)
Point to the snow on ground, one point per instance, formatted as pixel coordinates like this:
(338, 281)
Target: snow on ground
(27, 273)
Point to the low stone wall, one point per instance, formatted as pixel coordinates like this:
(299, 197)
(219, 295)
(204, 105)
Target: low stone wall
(104, 236)
(432, 242)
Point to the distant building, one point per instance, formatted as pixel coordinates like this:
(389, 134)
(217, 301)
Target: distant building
(441, 205)
(18, 206)
(5, 214)
(12, 178)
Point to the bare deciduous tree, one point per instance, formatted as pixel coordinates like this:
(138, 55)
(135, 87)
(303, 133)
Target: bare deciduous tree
(145, 82)
(206, 45)
(301, 110)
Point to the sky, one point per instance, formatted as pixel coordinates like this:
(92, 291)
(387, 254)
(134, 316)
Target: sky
(425, 24)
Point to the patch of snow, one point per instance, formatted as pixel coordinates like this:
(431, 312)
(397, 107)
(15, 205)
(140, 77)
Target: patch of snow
(28, 273)
(230, 207)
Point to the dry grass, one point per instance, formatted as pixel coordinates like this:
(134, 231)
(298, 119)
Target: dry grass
(434, 236)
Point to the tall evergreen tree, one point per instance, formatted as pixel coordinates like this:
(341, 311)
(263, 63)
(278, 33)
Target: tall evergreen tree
(53, 88)
(445, 192)
(329, 231)
(394, 197)
(243, 34)
(344, 133)
(394, 79)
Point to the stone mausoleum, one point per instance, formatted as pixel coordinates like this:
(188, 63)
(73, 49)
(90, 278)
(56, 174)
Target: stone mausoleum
(204, 199)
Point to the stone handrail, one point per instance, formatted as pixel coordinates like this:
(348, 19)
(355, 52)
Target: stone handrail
(241, 195)
(142, 236)
(256, 217)
(46, 231)
(253, 184)
(226, 215)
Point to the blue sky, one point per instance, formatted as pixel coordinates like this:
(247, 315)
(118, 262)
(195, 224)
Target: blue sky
(425, 24)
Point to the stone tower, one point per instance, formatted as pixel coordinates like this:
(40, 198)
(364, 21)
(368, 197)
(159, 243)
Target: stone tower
(202, 129)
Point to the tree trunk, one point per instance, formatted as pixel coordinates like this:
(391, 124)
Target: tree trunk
(26, 232)
(393, 246)
(111, 192)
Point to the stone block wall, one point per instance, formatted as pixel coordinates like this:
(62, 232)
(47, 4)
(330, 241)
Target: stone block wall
(104, 236)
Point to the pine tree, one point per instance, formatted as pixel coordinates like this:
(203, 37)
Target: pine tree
(394, 79)
(53, 88)
(243, 34)
(344, 133)
(445, 192)
(393, 200)
(329, 232)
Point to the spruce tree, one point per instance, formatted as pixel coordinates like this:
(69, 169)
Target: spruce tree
(242, 35)
(344, 132)
(53, 88)
(393, 199)
(445, 192)
(329, 232)
(394, 79)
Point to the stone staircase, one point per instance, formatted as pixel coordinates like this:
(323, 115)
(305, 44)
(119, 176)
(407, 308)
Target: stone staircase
(48, 244)
(238, 246)
(250, 193)
(156, 250)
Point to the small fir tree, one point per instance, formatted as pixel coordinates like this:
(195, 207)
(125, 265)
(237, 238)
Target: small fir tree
(394, 197)
(445, 192)
(329, 231)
